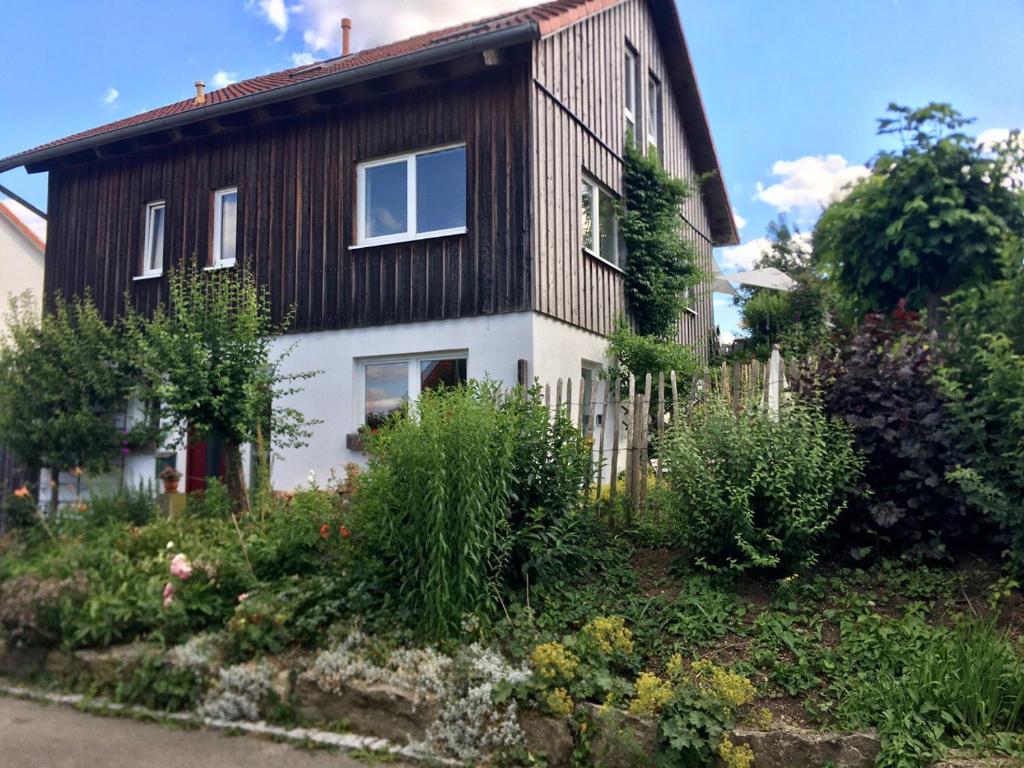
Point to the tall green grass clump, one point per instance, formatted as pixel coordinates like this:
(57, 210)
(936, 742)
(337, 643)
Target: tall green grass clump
(458, 497)
(965, 688)
(751, 491)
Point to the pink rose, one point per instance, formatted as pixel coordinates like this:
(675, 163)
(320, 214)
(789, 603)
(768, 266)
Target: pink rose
(181, 567)
(168, 594)
(243, 597)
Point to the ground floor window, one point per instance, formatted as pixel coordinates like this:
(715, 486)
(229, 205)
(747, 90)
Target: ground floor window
(389, 384)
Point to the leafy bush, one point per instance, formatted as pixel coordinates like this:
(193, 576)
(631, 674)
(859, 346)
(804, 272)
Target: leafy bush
(882, 384)
(640, 355)
(984, 377)
(32, 608)
(749, 491)
(459, 492)
(125, 505)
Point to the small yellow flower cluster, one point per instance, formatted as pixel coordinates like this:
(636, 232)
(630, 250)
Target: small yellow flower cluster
(559, 702)
(553, 661)
(728, 687)
(652, 693)
(674, 668)
(609, 633)
(760, 718)
(733, 756)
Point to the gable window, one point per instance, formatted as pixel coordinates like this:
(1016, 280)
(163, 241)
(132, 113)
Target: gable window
(654, 113)
(421, 194)
(599, 223)
(629, 91)
(153, 248)
(388, 385)
(225, 226)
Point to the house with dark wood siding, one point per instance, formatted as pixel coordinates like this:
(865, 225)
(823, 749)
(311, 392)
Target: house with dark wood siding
(433, 209)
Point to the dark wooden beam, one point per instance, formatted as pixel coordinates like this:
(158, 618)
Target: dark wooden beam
(331, 98)
(158, 139)
(382, 85)
(438, 71)
(199, 130)
(238, 119)
(117, 148)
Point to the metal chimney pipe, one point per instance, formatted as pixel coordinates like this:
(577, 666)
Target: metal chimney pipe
(346, 31)
(200, 92)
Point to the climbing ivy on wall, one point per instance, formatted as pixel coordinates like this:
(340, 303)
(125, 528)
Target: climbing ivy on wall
(662, 262)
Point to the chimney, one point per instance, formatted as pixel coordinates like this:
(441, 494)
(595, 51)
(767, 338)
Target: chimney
(346, 30)
(200, 92)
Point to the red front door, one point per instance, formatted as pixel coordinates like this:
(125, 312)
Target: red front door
(203, 459)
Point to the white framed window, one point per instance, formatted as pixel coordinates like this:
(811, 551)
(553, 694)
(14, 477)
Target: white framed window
(599, 223)
(412, 196)
(386, 385)
(153, 247)
(654, 113)
(629, 91)
(225, 227)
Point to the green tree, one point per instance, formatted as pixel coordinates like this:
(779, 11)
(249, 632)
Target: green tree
(65, 380)
(984, 376)
(208, 354)
(796, 320)
(661, 265)
(931, 217)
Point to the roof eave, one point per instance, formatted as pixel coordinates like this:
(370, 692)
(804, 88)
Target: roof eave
(513, 35)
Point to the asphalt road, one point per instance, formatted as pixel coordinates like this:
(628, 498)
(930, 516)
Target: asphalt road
(39, 736)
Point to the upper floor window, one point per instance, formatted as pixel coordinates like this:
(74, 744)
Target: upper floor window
(599, 222)
(153, 249)
(225, 226)
(654, 113)
(629, 91)
(421, 194)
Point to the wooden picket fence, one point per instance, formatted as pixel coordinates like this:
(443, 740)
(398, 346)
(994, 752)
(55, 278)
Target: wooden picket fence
(621, 418)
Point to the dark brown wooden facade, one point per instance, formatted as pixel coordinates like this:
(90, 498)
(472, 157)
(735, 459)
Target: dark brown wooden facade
(578, 126)
(296, 180)
(532, 125)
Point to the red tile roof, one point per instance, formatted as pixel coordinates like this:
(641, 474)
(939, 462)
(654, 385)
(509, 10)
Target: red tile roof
(546, 18)
(21, 226)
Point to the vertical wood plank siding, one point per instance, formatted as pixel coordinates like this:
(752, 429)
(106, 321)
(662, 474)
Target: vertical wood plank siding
(579, 124)
(296, 180)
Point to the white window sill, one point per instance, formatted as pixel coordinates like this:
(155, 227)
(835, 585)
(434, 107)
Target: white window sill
(607, 263)
(214, 267)
(153, 276)
(393, 239)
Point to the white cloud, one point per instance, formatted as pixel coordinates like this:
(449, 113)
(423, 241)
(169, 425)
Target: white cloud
(303, 59)
(374, 22)
(274, 11)
(740, 221)
(993, 136)
(223, 79)
(111, 96)
(742, 257)
(33, 221)
(808, 184)
(726, 336)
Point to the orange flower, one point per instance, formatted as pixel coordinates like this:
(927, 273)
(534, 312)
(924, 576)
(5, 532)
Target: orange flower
(325, 531)
(22, 492)
(345, 532)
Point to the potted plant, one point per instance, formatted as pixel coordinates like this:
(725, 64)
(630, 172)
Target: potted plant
(171, 477)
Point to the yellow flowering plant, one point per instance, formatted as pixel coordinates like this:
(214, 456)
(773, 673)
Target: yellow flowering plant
(553, 661)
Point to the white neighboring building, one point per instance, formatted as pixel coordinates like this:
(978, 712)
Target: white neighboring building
(22, 251)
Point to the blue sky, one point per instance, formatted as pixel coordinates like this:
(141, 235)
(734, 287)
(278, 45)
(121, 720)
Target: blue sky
(792, 87)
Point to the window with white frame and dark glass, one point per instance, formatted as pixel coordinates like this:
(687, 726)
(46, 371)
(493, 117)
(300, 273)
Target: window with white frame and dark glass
(629, 91)
(417, 195)
(388, 385)
(225, 226)
(654, 113)
(153, 246)
(599, 223)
